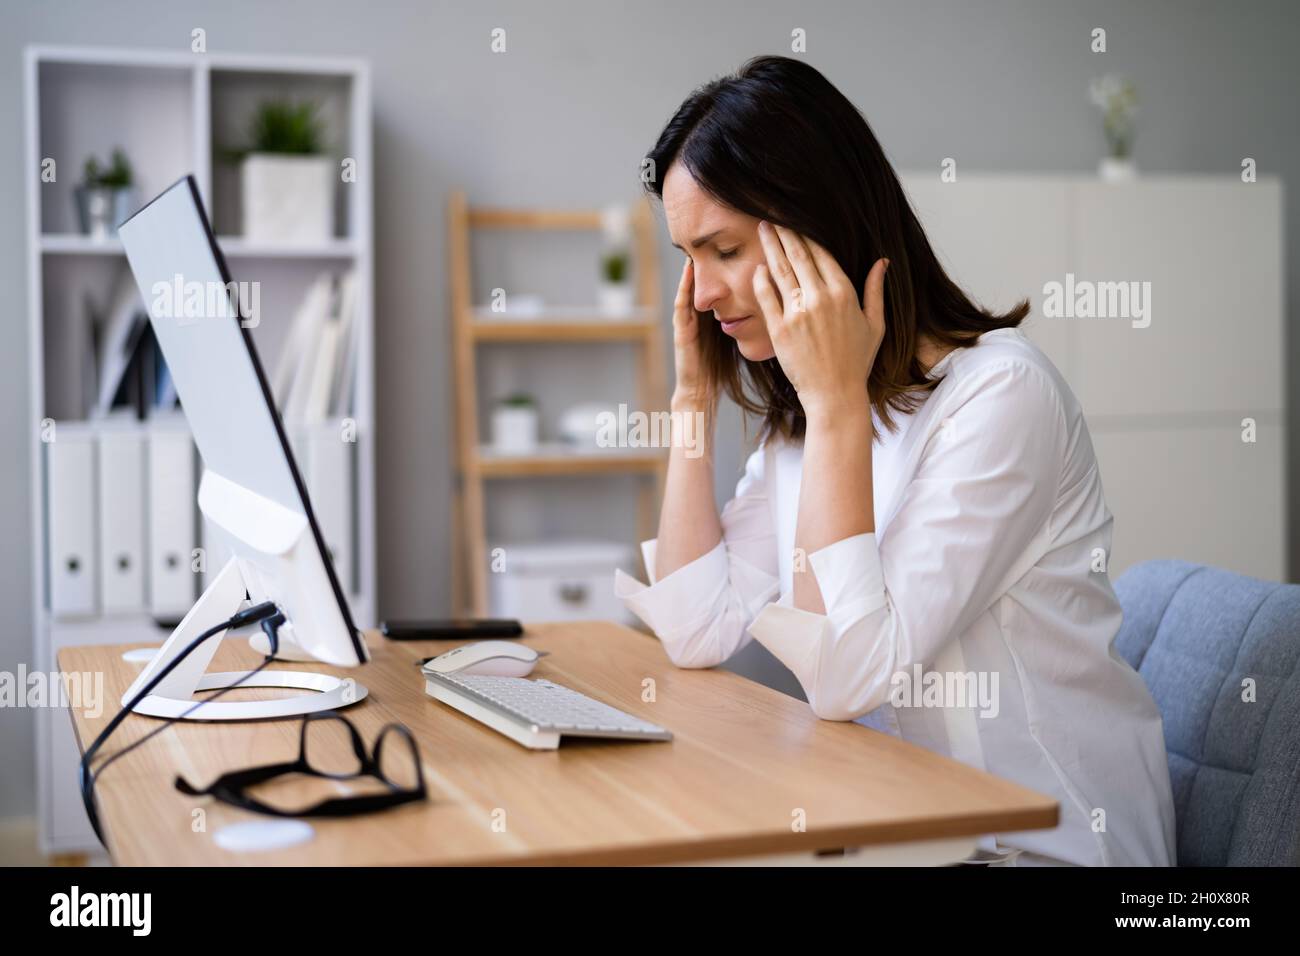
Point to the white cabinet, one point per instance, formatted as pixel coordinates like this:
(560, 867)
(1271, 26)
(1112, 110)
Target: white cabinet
(1212, 253)
(1165, 401)
(1196, 493)
(998, 237)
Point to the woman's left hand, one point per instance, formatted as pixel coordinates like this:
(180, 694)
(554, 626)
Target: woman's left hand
(826, 343)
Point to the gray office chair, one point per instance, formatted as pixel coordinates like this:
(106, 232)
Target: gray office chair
(1196, 634)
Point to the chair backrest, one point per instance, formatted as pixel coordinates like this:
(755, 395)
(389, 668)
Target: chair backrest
(1220, 653)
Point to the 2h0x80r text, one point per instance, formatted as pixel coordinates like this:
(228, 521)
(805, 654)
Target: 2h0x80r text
(1197, 897)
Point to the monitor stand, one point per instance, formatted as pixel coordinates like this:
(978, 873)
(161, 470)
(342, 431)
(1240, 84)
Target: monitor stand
(174, 695)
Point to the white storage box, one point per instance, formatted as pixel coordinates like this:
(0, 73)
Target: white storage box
(288, 198)
(557, 581)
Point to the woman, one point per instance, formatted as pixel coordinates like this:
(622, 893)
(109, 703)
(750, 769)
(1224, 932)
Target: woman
(921, 537)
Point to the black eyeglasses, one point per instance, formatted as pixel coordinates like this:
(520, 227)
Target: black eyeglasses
(397, 767)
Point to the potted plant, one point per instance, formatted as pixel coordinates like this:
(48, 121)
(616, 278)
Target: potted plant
(593, 426)
(287, 180)
(615, 293)
(514, 425)
(106, 196)
(1116, 97)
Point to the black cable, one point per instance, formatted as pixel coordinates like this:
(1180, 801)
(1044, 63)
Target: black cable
(270, 617)
(270, 626)
(167, 722)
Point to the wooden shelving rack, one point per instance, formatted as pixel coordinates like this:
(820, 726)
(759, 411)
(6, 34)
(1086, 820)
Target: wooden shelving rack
(477, 464)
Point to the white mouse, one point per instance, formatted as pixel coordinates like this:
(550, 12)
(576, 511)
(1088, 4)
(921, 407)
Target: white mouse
(487, 659)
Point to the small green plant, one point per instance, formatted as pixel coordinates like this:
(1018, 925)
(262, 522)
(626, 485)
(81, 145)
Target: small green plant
(614, 266)
(518, 400)
(1116, 97)
(118, 175)
(280, 126)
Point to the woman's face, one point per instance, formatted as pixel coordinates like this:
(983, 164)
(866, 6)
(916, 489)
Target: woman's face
(725, 248)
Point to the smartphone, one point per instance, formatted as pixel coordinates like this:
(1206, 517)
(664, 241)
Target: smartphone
(438, 630)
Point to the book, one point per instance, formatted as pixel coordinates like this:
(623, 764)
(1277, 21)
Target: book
(287, 384)
(345, 368)
(119, 337)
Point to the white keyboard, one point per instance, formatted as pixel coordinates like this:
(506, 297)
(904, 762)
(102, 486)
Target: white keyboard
(536, 713)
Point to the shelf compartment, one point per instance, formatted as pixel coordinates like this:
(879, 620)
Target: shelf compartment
(558, 330)
(233, 247)
(558, 459)
(91, 108)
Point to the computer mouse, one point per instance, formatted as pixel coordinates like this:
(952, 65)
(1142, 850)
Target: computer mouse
(487, 659)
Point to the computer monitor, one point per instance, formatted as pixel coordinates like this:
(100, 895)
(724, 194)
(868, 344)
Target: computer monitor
(251, 491)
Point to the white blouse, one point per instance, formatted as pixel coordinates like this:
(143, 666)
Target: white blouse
(977, 621)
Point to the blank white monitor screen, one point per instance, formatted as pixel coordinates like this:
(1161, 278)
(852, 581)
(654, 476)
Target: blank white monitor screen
(223, 390)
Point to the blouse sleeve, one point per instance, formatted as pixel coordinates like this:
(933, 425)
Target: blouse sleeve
(970, 523)
(700, 611)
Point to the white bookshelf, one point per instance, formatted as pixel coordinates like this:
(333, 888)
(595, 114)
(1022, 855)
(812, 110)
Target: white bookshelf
(173, 113)
(233, 247)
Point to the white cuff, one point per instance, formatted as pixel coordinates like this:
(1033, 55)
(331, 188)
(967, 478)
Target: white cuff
(793, 636)
(680, 601)
(649, 554)
(852, 586)
(850, 579)
(687, 599)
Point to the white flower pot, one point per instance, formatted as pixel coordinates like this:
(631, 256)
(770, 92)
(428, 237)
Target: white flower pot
(581, 427)
(100, 210)
(288, 198)
(1114, 170)
(514, 429)
(616, 298)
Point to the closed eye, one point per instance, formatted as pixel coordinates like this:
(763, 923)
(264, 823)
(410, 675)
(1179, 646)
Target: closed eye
(728, 254)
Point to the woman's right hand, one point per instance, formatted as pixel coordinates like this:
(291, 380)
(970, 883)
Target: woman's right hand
(692, 387)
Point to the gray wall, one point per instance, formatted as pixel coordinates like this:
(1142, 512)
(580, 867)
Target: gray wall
(563, 119)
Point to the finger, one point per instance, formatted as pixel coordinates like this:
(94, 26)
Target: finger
(765, 292)
(683, 304)
(685, 287)
(873, 295)
(801, 260)
(829, 268)
(782, 273)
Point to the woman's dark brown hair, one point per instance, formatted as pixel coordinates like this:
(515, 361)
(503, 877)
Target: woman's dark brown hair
(779, 142)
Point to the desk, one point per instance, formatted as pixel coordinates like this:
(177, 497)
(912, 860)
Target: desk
(729, 788)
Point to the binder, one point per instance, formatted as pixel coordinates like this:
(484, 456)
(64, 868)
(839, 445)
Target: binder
(121, 516)
(172, 519)
(72, 558)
